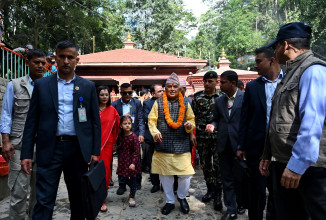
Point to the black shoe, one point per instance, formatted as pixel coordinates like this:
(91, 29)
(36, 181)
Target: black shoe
(218, 206)
(208, 196)
(229, 216)
(121, 190)
(111, 183)
(184, 206)
(210, 193)
(241, 210)
(155, 188)
(167, 208)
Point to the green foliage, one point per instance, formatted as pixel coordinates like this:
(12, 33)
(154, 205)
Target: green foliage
(159, 25)
(240, 26)
(45, 22)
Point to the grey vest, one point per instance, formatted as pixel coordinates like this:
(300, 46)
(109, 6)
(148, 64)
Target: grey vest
(20, 109)
(174, 140)
(284, 120)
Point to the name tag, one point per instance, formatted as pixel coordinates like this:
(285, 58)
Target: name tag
(82, 114)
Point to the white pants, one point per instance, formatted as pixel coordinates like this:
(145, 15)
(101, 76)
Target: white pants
(183, 186)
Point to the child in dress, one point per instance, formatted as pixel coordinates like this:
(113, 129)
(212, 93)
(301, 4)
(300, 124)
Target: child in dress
(129, 162)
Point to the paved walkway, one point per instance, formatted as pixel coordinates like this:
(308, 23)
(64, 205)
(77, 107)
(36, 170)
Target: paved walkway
(148, 204)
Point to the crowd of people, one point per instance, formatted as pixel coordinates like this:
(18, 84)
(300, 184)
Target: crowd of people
(276, 127)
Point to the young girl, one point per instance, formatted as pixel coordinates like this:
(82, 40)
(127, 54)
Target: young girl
(129, 162)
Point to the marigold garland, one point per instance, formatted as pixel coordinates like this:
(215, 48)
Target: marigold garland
(182, 109)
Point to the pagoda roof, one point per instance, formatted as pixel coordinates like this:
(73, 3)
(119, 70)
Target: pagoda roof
(136, 57)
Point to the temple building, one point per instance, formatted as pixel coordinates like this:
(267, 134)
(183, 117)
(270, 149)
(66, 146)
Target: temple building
(196, 80)
(143, 68)
(138, 67)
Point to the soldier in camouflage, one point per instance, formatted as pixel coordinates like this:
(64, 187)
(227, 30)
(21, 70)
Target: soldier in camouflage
(203, 105)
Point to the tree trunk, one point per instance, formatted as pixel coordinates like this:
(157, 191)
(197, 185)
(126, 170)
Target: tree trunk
(36, 33)
(3, 3)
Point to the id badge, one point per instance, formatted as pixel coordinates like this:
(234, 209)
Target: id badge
(82, 114)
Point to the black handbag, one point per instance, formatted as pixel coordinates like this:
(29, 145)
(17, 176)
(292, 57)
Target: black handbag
(94, 190)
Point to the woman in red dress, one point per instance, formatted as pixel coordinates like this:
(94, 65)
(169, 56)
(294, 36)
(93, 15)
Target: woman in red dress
(110, 130)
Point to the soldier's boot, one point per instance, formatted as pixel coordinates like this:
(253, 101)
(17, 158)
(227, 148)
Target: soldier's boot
(218, 206)
(210, 193)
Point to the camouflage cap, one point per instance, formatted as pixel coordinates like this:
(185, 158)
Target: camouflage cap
(210, 75)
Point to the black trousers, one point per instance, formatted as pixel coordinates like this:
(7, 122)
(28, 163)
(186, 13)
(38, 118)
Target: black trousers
(308, 201)
(155, 179)
(146, 160)
(226, 159)
(258, 185)
(131, 182)
(67, 158)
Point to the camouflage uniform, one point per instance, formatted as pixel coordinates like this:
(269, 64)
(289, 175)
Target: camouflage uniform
(206, 143)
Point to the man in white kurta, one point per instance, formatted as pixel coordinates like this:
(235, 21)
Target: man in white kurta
(170, 122)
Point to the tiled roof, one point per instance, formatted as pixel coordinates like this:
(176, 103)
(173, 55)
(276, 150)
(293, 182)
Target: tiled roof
(219, 71)
(134, 56)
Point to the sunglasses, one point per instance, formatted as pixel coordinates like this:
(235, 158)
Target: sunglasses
(125, 93)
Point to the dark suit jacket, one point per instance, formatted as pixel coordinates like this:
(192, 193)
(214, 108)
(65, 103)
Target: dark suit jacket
(137, 108)
(227, 126)
(42, 120)
(147, 107)
(253, 119)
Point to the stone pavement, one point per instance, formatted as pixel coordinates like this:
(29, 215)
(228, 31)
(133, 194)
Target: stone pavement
(148, 204)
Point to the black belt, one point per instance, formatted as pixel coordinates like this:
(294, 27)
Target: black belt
(66, 138)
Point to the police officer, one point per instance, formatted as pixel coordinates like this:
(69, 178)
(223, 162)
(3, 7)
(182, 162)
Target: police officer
(203, 104)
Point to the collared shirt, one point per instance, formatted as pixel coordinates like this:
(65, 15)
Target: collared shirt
(270, 87)
(312, 110)
(65, 107)
(126, 107)
(231, 101)
(8, 105)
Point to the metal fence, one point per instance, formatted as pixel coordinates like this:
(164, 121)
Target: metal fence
(13, 65)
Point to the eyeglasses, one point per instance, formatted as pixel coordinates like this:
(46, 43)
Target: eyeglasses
(126, 93)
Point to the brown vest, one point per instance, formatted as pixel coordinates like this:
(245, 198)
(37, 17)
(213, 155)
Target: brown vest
(20, 109)
(285, 121)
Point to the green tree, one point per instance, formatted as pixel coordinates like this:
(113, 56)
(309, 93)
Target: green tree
(158, 25)
(45, 22)
(204, 45)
